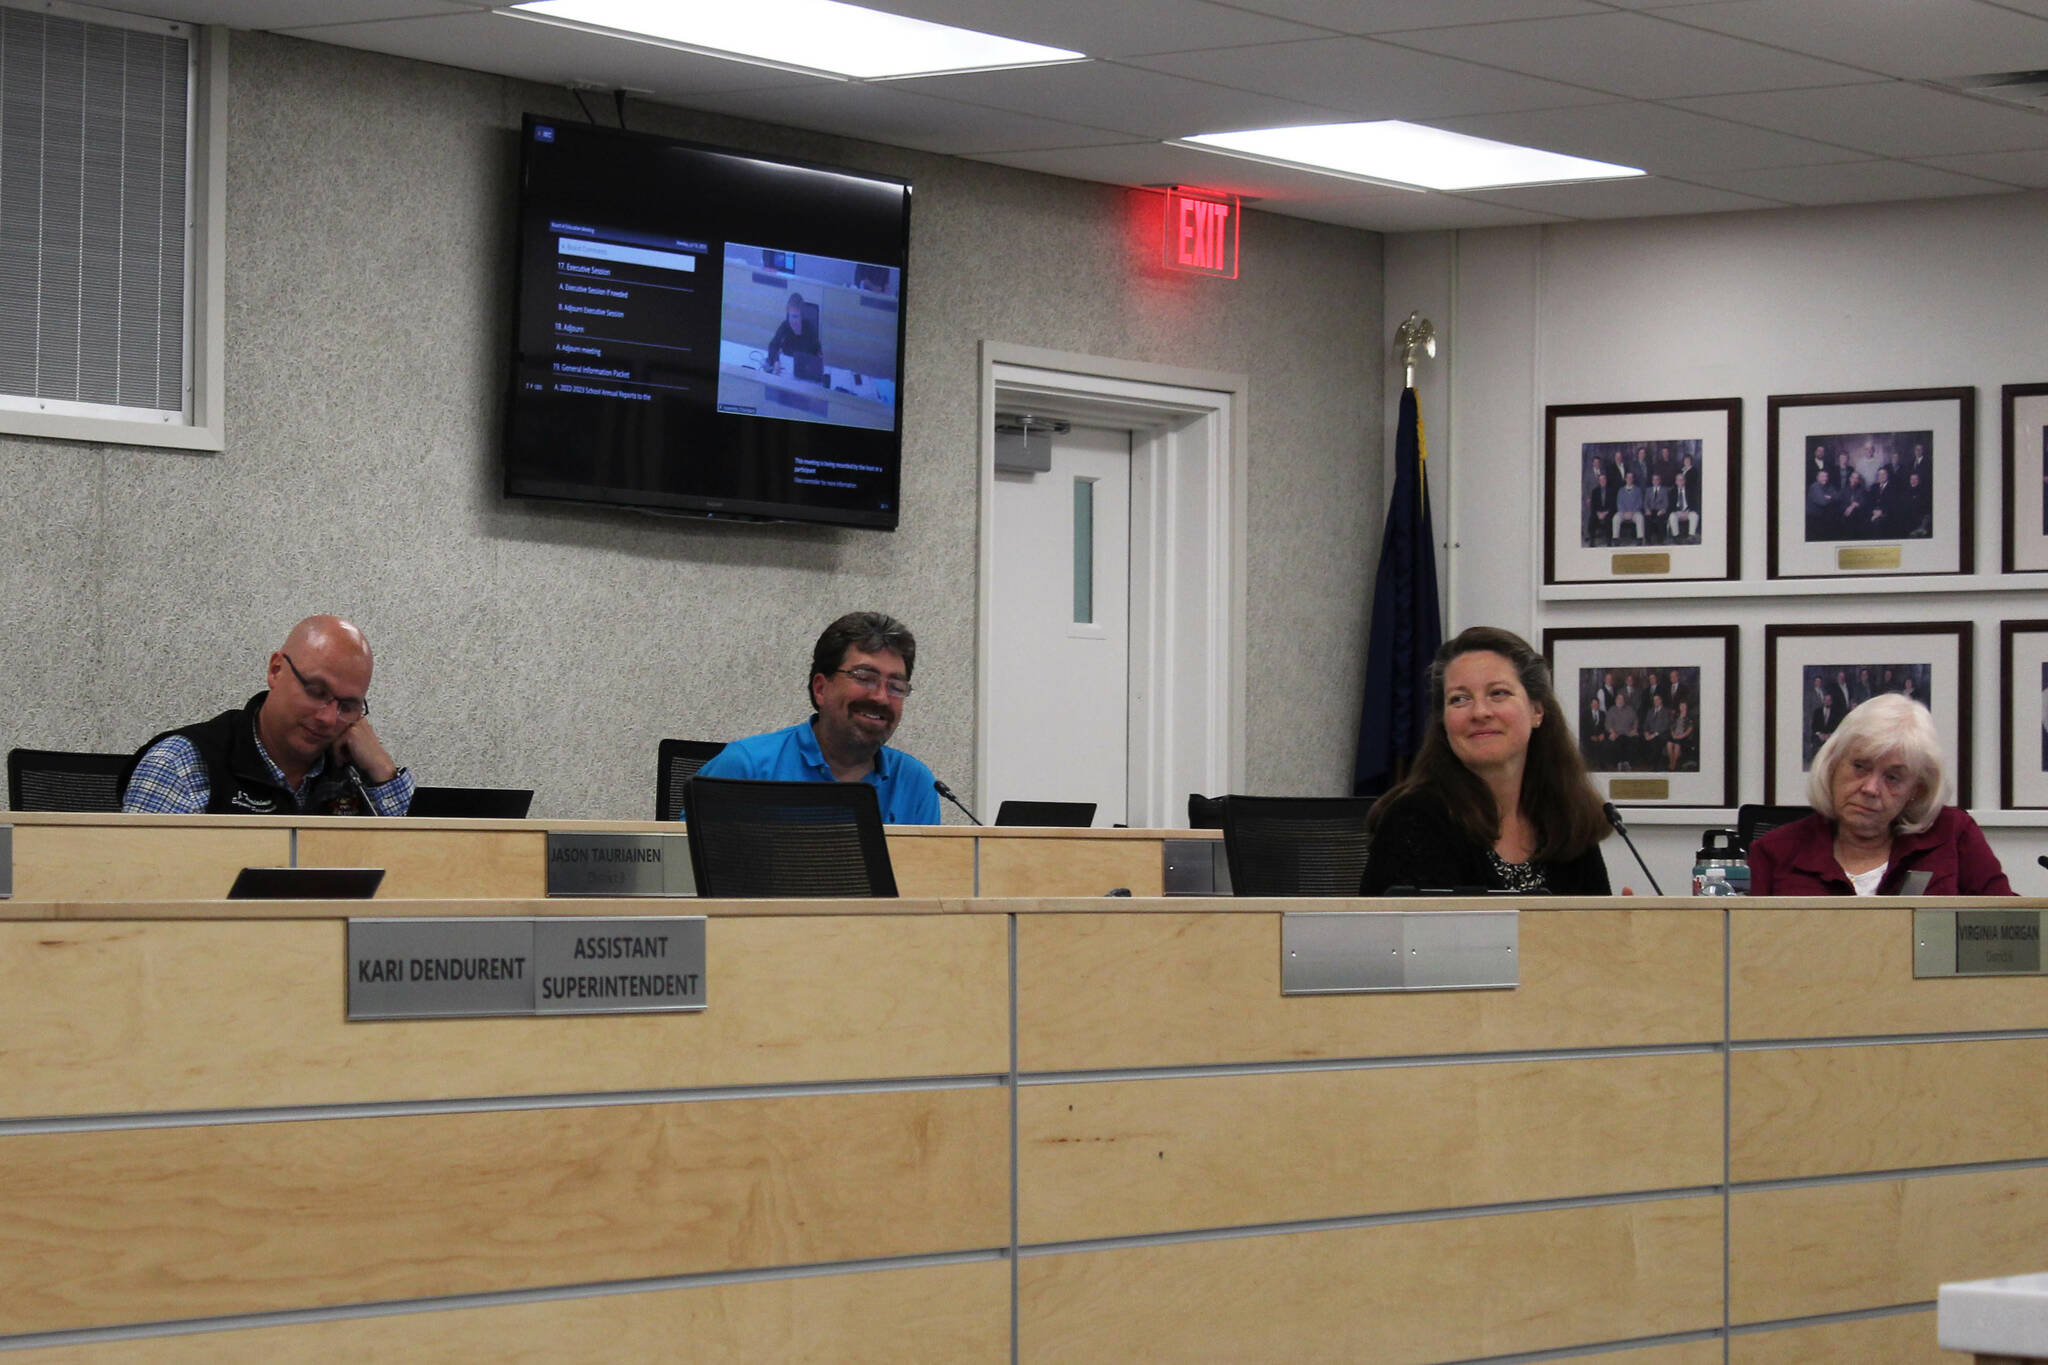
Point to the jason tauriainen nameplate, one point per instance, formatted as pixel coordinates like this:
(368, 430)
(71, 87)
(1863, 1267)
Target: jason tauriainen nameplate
(619, 865)
(467, 968)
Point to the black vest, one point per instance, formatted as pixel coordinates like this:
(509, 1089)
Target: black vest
(239, 780)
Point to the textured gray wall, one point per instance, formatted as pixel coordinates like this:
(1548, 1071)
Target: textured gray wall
(369, 265)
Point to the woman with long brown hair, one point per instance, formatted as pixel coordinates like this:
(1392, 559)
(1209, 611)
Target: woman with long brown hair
(1498, 798)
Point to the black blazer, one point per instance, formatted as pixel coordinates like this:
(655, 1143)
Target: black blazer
(1416, 843)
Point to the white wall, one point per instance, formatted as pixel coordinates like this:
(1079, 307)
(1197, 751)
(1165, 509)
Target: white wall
(370, 205)
(1913, 295)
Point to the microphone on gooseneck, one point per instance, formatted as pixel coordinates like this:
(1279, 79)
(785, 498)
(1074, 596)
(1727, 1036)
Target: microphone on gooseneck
(1614, 819)
(947, 792)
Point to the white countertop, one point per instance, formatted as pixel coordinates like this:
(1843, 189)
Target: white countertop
(2007, 1316)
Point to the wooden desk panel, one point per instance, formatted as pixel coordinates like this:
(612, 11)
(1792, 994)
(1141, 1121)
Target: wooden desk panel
(1845, 1110)
(160, 1224)
(1839, 973)
(1076, 865)
(1804, 1251)
(1900, 1339)
(1113, 1159)
(1395, 1294)
(1174, 988)
(156, 1016)
(422, 862)
(932, 866)
(932, 1315)
(139, 861)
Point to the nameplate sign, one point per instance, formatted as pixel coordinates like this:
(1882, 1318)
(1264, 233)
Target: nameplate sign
(6, 861)
(1194, 867)
(1639, 788)
(1642, 563)
(1869, 557)
(474, 968)
(1977, 943)
(620, 865)
(1369, 951)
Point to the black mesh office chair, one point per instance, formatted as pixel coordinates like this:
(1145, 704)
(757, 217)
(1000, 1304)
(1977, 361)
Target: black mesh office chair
(1750, 821)
(787, 839)
(60, 779)
(675, 764)
(1295, 845)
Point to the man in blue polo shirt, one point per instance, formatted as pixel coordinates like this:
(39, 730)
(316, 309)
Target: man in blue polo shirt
(860, 678)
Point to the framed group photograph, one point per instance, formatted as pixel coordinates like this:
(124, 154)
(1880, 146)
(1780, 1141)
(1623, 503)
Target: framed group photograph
(2023, 715)
(1871, 483)
(1636, 491)
(1653, 710)
(2025, 424)
(1816, 675)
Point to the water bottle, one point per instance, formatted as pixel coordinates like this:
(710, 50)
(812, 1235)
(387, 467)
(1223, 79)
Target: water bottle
(1719, 868)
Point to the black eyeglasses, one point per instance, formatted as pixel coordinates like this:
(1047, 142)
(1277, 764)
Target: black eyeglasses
(871, 679)
(350, 708)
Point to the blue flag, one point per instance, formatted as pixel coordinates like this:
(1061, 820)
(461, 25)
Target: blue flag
(1406, 626)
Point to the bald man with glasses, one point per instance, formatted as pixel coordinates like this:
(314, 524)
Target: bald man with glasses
(859, 680)
(304, 746)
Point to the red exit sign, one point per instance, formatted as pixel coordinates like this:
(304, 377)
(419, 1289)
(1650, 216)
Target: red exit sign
(1201, 232)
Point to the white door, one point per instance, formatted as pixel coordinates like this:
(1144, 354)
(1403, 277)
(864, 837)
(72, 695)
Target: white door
(1059, 629)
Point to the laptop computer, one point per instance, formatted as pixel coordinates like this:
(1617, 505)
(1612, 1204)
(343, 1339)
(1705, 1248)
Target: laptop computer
(305, 883)
(470, 803)
(1061, 814)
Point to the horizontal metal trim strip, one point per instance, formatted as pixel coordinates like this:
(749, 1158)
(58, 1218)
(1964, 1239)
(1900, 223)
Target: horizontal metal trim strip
(1891, 1039)
(377, 1109)
(292, 1317)
(1896, 1310)
(1896, 1173)
(1148, 1073)
(1373, 1220)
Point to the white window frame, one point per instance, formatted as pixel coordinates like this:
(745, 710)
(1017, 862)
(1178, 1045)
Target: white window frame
(201, 426)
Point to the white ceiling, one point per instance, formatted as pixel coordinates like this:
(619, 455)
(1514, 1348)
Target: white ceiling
(1731, 104)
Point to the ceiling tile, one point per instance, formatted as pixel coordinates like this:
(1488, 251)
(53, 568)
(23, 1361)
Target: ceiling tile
(1414, 213)
(1392, 16)
(1629, 54)
(1370, 80)
(1890, 118)
(1931, 39)
(2011, 168)
(1110, 95)
(1650, 137)
(286, 14)
(1108, 30)
(1156, 163)
(1853, 182)
(887, 114)
(1642, 198)
(553, 55)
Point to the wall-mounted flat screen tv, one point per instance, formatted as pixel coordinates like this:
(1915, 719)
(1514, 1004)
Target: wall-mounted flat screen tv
(706, 331)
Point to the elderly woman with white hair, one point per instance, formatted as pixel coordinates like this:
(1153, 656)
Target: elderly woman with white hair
(1879, 827)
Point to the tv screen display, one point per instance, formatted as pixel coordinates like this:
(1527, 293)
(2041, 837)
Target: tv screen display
(706, 331)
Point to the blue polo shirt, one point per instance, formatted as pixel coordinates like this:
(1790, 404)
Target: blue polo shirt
(902, 784)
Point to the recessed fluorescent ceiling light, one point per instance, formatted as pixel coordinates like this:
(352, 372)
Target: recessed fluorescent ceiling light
(817, 35)
(1409, 154)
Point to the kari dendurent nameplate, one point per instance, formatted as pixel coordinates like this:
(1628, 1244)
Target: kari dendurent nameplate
(620, 865)
(470, 968)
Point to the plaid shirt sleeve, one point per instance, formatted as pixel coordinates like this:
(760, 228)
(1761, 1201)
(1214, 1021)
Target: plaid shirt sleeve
(394, 797)
(170, 780)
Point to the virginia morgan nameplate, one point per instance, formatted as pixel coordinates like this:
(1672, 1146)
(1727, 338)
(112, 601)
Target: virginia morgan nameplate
(467, 968)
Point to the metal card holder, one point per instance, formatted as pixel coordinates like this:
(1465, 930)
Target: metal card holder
(1343, 952)
(1977, 943)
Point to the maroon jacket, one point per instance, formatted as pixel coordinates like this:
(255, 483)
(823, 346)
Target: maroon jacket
(1799, 860)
